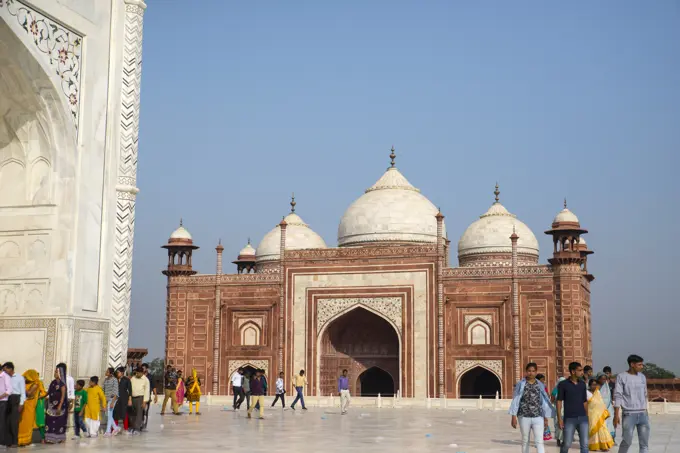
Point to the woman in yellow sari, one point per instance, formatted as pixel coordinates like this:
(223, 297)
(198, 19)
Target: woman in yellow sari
(599, 438)
(34, 392)
(194, 392)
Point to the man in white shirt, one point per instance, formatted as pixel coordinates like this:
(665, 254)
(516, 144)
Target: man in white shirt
(237, 387)
(15, 404)
(280, 391)
(141, 393)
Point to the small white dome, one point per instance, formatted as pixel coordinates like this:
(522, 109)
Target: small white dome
(390, 210)
(181, 233)
(298, 236)
(248, 250)
(565, 215)
(491, 234)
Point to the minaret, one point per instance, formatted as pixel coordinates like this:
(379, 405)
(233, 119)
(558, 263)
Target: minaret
(440, 304)
(282, 290)
(216, 323)
(573, 341)
(180, 247)
(517, 367)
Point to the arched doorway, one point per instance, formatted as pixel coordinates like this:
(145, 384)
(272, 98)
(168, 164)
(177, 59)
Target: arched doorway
(479, 381)
(359, 341)
(375, 381)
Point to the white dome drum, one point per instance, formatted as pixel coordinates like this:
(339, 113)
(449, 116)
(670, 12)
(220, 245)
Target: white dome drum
(298, 236)
(392, 210)
(487, 240)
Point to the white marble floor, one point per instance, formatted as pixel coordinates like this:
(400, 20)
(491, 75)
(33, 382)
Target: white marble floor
(325, 430)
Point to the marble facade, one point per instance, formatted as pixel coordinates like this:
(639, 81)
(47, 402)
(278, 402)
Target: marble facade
(69, 113)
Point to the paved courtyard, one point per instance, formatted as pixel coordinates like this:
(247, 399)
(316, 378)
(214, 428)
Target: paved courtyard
(325, 430)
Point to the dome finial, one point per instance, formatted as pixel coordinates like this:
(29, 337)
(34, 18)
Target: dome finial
(248, 241)
(565, 202)
(180, 222)
(219, 241)
(392, 157)
(497, 192)
(292, 203)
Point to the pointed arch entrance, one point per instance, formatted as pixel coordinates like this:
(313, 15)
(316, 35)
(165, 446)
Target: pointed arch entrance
(479, 381)
(375, 381)
(365, 344)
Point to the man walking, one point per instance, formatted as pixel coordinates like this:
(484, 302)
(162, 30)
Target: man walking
(147, 406)
(237, 388)
(630, 395)
(530, 408)
(572, 396)
(299, 382)
(257, 394)
(140, 394)
(245, 387)
(111, 392)
(170, 390)
(343, 390)
(15, 403)
(280, 391)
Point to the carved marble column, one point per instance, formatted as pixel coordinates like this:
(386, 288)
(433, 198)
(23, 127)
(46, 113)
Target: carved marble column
(126, 189)
(216, 327)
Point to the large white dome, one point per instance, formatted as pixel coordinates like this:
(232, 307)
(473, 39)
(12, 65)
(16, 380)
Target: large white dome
(298, 236)
(392, 210)
(491, 234)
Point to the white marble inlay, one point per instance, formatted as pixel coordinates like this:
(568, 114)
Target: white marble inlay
(416, 279)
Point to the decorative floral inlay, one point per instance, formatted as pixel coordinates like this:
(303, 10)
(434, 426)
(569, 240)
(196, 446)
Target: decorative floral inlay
(62, 46)
(236, 364)
(494, 365)
(485, 318)
(390, 307)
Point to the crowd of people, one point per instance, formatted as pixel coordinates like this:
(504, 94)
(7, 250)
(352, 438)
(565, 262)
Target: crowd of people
(591, 405)
(29, 413)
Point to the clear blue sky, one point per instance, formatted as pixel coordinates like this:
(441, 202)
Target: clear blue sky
(245, 102)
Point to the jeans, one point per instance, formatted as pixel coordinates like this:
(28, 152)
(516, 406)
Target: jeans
(572, 424)
(239, 396)
(109, 419)
(639, 420)
(526, 426)
(281, 396)
(78, 423)
(299, 397)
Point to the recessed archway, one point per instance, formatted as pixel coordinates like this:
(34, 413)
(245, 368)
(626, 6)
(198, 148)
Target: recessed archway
(479, 381)
(359, 340)
(375, 381)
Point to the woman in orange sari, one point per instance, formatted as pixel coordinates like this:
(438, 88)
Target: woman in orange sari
(599, 438)
(34, 392)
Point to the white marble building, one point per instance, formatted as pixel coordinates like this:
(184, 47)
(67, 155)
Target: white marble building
(70, 74)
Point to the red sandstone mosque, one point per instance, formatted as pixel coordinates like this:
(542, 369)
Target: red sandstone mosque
(385, 303)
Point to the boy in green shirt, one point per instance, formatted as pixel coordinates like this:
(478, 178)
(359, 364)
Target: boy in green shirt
(79, 408)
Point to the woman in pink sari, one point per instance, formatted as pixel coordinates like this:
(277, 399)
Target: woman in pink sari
(181, 389)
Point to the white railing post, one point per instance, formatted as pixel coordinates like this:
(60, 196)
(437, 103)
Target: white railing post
(480, 403)
(379, 401)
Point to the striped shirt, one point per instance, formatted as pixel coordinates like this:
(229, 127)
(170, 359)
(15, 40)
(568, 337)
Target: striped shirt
(110, 388)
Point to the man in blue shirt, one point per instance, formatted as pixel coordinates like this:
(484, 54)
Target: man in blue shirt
(343, 390)
(572, 395)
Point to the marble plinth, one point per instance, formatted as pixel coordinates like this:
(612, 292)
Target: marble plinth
(318, 429)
